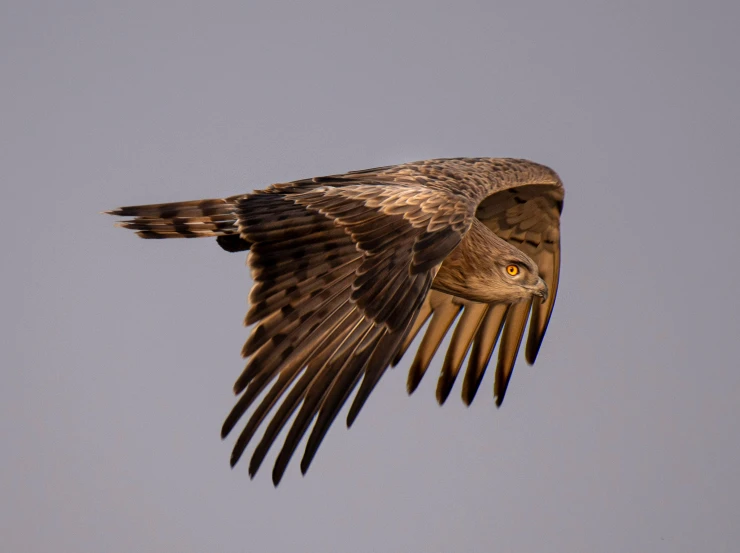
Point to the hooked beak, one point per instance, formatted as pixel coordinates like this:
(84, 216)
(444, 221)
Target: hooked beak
(540, 289)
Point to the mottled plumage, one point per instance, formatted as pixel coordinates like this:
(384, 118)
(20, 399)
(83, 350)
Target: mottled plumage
(348, 268)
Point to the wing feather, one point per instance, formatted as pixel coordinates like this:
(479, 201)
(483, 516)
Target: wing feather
(346, 381)
(549, 264)
(421, 318)
(334, 296)
(379, 360)
(315, 392)
(442, 318)
(523, 209)
(465, 330)
(511, 337)
(483, 344)
(315, 313)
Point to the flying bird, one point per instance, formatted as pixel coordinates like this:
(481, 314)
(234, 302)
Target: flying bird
(348, 268)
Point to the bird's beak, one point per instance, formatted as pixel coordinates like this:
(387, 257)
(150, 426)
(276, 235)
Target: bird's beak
(540, 290)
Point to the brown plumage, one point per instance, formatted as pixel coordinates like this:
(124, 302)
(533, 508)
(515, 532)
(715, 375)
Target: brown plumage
(348, 268)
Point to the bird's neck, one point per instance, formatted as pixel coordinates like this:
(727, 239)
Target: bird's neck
(468, 271)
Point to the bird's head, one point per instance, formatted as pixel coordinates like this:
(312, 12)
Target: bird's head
(505, 273)
(514, 277)
(489, 269)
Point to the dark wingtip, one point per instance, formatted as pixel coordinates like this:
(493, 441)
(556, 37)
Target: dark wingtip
(444, 387)
(230, 422)
(277, 475)
(239, 386)
(470, 388)
(238, 451)
(351, 416)
(412, 384)
(414, 379)
(305, 463)
(530, 353)
(499, 391)
(500, 396)
(129, 211)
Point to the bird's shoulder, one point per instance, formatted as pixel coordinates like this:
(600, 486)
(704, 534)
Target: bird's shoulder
(473, 178)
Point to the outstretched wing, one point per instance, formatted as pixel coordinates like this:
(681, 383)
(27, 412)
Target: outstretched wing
(340, 270)
(527, 216)
(343, 266)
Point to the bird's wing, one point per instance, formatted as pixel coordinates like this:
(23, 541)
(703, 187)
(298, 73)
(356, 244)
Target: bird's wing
(527, 216)
(340, 270)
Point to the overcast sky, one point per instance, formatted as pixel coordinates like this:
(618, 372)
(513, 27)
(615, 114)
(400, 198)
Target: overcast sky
(119, 354)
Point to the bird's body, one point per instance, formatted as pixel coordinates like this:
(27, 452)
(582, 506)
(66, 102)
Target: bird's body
(347, 269)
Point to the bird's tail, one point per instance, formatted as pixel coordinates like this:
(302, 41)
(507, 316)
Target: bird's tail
(192, 219)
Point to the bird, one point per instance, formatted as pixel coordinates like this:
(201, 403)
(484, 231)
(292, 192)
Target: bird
(347, 269)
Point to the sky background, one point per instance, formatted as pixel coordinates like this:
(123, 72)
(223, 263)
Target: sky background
(119, 355)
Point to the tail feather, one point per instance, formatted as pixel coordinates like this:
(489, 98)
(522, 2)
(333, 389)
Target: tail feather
(193, 219)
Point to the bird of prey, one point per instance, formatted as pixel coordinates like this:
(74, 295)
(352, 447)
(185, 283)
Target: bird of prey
(348, 268)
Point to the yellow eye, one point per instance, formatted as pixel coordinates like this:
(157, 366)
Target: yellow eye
(513, 270)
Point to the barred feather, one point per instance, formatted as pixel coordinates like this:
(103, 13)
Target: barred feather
(191, 219)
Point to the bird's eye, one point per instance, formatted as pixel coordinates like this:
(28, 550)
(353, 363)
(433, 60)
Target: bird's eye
(513, 270)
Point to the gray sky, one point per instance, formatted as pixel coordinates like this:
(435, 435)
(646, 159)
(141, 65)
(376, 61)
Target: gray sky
(120, 354)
